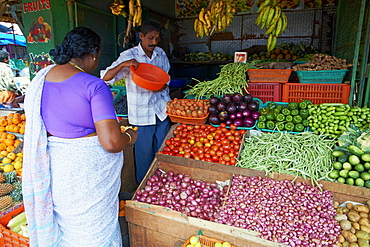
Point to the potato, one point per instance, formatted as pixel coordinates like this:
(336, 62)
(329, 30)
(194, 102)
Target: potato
(353, 245)
(368, 203)
(335, 204)
(363, 235)
(365, 228)
(339, 217)
(361, 208)
(338, 245)
(363, 242)
(349, 236)
(356, 226)
(342, 210)
(345, 224)
(353, 216)
(349, 205)
(345, 244)
(352, 230)
(341, 238)
(364, 221)
(364, 215)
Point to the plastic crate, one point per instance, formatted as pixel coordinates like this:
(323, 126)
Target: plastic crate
(316, 93)
(188, 120)
(269, 75)
(265, 91)
(205, 241)
(321, 76)
(9, 238)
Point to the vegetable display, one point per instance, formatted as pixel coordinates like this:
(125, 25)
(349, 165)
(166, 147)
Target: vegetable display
(281, 211)
(205, 142)
(304, 154)
(231, 79)
(355, 224)
(188, 107)
(280, 116)
(240, 110)
(323, 62)
(181, 193)
(18, 224)
(332, 119)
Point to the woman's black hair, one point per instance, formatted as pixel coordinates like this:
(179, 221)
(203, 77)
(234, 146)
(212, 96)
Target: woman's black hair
(150, 26)
(3, 55)
(76, 44)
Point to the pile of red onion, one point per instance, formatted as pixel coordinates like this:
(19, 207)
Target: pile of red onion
(281, 211)
(181, 193)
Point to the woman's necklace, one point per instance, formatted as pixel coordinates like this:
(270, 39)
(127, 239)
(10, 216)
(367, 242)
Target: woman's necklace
(76, 66)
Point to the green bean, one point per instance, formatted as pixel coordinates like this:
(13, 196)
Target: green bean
(305, 154)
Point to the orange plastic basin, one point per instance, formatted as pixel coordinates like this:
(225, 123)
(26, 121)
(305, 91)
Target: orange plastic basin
(149, 76)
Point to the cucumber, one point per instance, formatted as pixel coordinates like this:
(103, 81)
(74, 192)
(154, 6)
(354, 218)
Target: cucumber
(354, 160)
(337, 153)
(359, 182)
(343, 173)
(365, 157)
(337, 165)
(365, 176)
(354, 174)
(350, 181)
(343, 158)
(355, 150)
(347, 166)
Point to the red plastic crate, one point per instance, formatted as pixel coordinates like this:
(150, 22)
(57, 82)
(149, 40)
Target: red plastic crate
(265, 91)
(9, 238)
(269, 75)
(317, 93)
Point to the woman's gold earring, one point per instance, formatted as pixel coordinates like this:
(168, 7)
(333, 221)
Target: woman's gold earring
(94, 58)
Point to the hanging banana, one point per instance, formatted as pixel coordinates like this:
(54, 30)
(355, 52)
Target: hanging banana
(273, 19)
(216, 18)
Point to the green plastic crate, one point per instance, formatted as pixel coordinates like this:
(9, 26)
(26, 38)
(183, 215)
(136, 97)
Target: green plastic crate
(321, 76)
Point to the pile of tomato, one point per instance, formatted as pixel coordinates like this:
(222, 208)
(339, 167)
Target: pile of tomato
(205, 142)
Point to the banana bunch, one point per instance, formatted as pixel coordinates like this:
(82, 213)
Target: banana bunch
(273, 19)
(216, 18)
(117, 8)
(135, 12)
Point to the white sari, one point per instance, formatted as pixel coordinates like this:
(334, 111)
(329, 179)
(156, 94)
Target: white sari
(70, 186)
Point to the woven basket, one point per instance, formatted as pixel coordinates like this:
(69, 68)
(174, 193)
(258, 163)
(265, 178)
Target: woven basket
(205, 241)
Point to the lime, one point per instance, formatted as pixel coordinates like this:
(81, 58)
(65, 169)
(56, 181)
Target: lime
(354, 174)
(347, 166)
(341, 180)
(365, 157)
(193, 240)
(343, 173)
(367, 184)
(226, 244)
(365, 176)
(338, 166)
(367, 165)
(218, 244)
(359, 167)
(354, 160)
(359, 182)
(350, 181)
(334, 174)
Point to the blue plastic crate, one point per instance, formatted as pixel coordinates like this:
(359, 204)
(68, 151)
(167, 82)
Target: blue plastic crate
(321, 76)
(268, 130)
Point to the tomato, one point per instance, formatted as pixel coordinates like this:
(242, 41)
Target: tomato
(178, 127)
(161, 152)
(242, 132)
(189, 127)
(231, 138)
(175, 150)
(196, 157)
(207, 144)
(208, 160)
(217, 137)
(218, 144)
(225, 142)
(196, 126)
(215, 158)
(203, 126)
(237, 138)
(224, 130)
(232, 161)
(214, 147)
(236, 147)
(184, 126)
(191, 142)
(218, 131)
(237, 133)
(177, 143)
(228, 134)
(212, 129)
(222, 125)
(187, 155)
(175, 132)
(222, 162)
(212, 152)
(226, 157)
(219, 153)
(207, 155)
(201, 155)
(232, 126)
(226, 147)
(184, 135)
(168, 142)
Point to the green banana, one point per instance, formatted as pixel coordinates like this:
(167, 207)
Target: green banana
(274, 3)
(264, 4)
(258, 20)
(265, 15)
(270, 16)
(277, 14)
(273, 43)
(279, 26)
(271, 29)
(269, 42)
(285, 24)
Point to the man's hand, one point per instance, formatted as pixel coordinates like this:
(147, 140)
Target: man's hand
(160, 90)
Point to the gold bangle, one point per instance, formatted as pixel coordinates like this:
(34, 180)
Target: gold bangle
(128, 134)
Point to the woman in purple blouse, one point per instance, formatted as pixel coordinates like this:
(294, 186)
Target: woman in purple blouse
(73, 150)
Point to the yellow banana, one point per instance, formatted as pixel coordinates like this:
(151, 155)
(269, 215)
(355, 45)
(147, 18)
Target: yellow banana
(195, 26)
(134, 19)
(270, 16)
(279, 27)
(131, 8)
(201, 16)
(139, 16)
(265, 15)
(274, 3)
(264, 4)
(207, 18)
(206, 30)
(138, 3)
(200, 29)
(277, 14)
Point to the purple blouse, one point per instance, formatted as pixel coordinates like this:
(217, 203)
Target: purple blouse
(71, 107)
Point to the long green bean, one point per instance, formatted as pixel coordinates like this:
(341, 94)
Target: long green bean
(231, 79)
(305, 154)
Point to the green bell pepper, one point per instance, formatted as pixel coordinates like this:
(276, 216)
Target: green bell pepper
(293, 105)
(305, 122)
(302, 105)
(264, 111)
(280, 117)
(308, 102)
(285, 111)
(271, 116)
(270, 125)
(297, 119)
(294, 112)
(299, 128)
(289, 118)
(271, 105)
(261, 125)
(304, 113)
(262, 118)
(280, 126)
(289, 126)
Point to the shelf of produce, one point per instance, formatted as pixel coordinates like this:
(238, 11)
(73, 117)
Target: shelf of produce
(156, 223)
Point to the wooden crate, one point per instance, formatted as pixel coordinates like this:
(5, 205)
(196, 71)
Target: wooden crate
(152, 225)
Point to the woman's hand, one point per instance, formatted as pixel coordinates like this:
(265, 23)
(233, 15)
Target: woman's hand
(133, 135)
